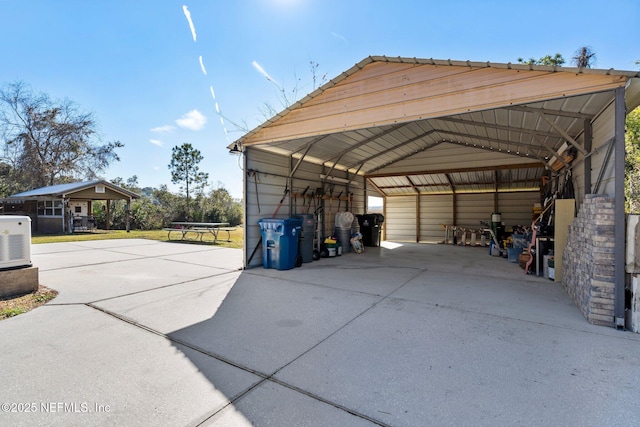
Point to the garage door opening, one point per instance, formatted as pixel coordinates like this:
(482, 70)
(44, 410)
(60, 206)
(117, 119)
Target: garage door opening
(375, 205)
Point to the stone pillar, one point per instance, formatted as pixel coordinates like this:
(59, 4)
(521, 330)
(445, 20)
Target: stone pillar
(589, 259)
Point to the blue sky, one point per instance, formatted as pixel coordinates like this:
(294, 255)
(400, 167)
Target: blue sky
(136, 65)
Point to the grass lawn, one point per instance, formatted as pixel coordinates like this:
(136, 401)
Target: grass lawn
(236, 237)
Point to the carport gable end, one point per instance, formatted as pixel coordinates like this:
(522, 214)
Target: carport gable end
(381, 91)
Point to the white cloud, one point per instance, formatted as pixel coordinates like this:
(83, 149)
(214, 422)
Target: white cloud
(156, 142)
(162, 129)
(193, 120)
(204, 70)
(191, 26)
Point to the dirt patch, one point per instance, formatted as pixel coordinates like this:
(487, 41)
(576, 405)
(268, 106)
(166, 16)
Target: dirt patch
(13, 306)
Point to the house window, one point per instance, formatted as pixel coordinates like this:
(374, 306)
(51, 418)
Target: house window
(50, 208)
(78, 209)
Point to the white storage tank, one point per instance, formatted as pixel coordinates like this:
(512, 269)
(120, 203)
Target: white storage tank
(15, 241)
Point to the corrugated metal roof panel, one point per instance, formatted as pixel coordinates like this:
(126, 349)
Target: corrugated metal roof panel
(53, 190)
(387, 116)
(70, 188)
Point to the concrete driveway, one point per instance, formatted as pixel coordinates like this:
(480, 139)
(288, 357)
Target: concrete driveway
(155, 333)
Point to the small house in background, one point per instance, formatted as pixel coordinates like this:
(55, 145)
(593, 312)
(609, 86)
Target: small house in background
(65, 208)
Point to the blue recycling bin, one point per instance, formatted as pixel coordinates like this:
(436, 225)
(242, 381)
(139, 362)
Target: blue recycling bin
(280, 242)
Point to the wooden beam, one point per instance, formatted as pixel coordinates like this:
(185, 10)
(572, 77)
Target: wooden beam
(108, 203)
(373, 184)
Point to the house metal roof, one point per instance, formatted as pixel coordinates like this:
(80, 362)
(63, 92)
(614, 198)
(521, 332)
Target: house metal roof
(437, 126)
(64, 190)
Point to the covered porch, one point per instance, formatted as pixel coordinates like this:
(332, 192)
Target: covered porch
(66, 208)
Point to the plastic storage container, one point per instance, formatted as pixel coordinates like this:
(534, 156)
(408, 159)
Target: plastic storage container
(280, 242)
(344, 237)
(306, 238)
(513, 254)
(370, 227)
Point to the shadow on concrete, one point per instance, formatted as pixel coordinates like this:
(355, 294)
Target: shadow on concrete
(408, 335)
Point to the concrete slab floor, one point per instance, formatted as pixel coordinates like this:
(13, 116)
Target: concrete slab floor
(408, 335)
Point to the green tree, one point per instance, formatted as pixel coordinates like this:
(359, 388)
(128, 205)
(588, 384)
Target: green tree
(556, 60)
(219, 206)
(185, 170)
(632, 162)
(46, 142)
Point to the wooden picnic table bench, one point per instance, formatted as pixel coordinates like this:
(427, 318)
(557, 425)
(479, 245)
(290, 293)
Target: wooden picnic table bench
(199, 228)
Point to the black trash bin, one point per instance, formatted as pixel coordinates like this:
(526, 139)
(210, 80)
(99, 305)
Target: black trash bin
(371, 228)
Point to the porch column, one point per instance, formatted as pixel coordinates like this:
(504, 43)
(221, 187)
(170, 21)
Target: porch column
(108, 203)
(127, 208)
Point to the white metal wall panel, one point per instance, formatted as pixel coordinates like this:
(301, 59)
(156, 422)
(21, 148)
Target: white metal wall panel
(435, 211)
(400, 219)
(603, 131)
(272, 171)
(473, 208)
(517, 208)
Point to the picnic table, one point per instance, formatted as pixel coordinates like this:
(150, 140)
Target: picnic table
(199, 228)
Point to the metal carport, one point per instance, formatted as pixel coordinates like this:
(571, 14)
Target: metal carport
(408, 127)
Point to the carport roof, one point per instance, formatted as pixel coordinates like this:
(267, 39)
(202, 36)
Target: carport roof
(436, 126)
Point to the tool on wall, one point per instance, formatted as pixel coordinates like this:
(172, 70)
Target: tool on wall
(303, 194)
(286, 190)
(254, 174)
(312, 196)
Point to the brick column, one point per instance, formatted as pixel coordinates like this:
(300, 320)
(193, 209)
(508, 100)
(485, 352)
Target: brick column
(589, 274)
